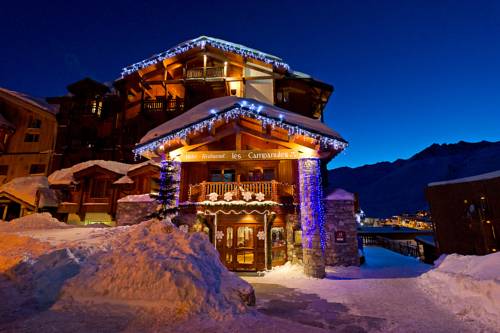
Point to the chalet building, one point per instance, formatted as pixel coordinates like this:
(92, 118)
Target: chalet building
(247, 135)
(28, 129)
(89, 191)
(25, 195)
(88, 123)
(466, 214)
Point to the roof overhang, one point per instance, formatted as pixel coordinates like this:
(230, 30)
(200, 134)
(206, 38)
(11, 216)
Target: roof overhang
(225, 109)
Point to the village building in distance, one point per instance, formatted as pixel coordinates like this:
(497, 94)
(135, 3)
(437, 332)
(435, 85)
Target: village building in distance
(466, 214)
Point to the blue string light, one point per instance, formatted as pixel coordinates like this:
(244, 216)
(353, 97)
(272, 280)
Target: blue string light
(311, 205)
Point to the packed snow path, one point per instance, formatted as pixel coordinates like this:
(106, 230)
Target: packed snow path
(382, 295)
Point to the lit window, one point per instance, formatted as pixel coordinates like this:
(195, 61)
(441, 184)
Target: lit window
(96, 107)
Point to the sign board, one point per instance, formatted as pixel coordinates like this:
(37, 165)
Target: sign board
(243, 155)
(340, 237)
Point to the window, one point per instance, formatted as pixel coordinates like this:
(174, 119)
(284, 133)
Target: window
(99, 188)
(31, 137)
(37, 169)
(269, 174)
(225, 175)
(245, 237)
(35, 123)
(96, 107)
(4, 169)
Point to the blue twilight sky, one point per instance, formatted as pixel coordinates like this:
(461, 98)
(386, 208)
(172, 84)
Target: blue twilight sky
(407, 73)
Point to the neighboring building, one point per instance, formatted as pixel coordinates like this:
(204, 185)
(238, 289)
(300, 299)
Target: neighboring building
(466, 214)
(28, 131)
(25, 195)
(89, 191)
(88, 124)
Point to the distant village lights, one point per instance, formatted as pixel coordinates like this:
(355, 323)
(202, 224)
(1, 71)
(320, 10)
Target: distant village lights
(239, 109)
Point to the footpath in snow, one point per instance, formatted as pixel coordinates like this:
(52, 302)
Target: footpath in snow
(391, 293)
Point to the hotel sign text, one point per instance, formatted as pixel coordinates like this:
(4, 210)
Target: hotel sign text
(243, 155)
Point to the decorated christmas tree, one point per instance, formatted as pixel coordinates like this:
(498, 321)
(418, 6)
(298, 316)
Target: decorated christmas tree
(167, 193)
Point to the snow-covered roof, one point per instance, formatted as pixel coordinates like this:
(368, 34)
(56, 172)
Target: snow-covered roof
(340, 194)
(66, 176)
(201, 42)
(25, 188)
(124, 180)
(34, 101)
(217, 107)
(47, 198)
(484, 176)
(137, 198)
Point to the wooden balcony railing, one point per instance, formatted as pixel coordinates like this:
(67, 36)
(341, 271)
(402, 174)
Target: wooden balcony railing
(272, 190)
(159, 105)
(210, 72)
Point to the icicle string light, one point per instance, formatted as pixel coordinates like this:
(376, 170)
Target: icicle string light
(239, 109)
(201, 42)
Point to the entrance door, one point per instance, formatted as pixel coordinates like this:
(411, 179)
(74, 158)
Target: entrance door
(241, 246)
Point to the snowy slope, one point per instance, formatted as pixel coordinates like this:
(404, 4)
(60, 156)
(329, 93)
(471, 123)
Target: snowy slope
(390, 188)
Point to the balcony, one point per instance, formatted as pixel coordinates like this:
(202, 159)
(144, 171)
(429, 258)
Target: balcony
(208, 73)
(162, 105)
(272, 190)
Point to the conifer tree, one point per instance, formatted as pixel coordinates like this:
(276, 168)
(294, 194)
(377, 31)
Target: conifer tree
(166, 196)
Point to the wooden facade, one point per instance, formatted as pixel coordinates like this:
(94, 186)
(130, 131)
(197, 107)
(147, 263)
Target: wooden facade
(93, 194)
(28, 129)
(466, 214)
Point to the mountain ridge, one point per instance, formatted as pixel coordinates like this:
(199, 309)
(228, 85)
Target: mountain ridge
(389, 188)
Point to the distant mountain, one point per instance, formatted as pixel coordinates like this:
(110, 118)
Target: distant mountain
(390, 188)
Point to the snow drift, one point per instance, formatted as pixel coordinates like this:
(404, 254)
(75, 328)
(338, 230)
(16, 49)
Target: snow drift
(152, 267)
(160, 267)
(468, 285)
(33, 221)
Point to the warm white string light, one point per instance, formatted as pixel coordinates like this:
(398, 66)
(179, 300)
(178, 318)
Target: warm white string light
(201, 42)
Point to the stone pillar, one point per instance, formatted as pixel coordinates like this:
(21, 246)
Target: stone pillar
(311, 217)
(341, 229)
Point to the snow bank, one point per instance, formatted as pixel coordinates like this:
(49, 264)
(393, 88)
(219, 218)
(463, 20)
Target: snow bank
(33, 221)
(159, 267)
(15, 249)
(468, 285)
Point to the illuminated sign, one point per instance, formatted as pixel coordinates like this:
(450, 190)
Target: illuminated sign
(243, 155)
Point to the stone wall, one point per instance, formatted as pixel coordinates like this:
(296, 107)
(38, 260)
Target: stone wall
(311, 217)
(341, 230)
(133, 212)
